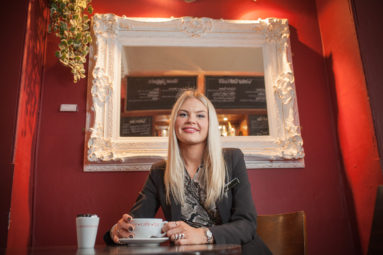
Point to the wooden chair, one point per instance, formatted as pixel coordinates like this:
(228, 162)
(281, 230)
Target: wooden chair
(284, 234)
(376, 238)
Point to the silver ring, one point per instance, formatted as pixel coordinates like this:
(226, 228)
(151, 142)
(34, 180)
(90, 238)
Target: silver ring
(182, 236)
(176, 236)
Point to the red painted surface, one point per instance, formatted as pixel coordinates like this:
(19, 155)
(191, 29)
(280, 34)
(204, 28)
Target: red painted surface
(26, 132)
(354, 121)
(368, 15)
(11, 54)
(62, 189)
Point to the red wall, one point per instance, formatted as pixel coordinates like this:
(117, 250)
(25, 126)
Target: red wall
(62, 189)
(354, 121)
(27, 122)
(369, 21)
(11, 55)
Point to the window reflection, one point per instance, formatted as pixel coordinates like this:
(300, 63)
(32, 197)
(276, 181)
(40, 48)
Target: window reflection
(232, 78)
(229, 125)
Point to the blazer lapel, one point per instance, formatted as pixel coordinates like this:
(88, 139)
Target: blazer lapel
(224, 204)
(223, 207)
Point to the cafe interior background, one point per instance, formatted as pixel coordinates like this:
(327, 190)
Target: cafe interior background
(336, 61)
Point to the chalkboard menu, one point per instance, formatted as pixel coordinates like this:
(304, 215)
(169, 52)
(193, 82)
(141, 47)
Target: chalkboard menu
(159, 92)
(236, 92)
(258, 124)
(136, 126)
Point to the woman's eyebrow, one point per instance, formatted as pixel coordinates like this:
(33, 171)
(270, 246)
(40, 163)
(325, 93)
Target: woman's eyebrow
(198, 111)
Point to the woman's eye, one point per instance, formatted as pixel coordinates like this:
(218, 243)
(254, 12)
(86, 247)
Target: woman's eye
(201, 116)
(182, 114)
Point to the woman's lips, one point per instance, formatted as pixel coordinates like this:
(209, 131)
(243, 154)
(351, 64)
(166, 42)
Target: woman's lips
(190, 130)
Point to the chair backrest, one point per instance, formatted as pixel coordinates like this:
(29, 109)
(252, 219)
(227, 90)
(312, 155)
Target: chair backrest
(284, 234)
(376, 238)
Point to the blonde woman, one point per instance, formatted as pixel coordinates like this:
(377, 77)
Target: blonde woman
(203, 190)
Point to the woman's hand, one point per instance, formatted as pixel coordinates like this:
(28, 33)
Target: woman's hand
(123, 228)
(181, 233)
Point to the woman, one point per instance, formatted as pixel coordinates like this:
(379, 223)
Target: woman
(203, 190)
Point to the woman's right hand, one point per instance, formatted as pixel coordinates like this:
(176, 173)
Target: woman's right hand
(122, 229)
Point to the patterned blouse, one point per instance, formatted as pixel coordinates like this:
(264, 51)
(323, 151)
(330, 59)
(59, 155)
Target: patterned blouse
(193, 210)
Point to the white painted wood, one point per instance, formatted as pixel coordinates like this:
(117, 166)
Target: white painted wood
(107, 151)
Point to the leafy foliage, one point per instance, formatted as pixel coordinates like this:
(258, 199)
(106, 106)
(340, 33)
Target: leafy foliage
(71, 24)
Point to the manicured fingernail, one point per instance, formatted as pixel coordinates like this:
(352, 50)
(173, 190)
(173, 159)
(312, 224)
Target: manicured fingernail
(130, 236)
(130, 229)
(129, 219)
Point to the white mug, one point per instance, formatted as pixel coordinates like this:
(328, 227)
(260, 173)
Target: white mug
(86, 225)
(148, 227)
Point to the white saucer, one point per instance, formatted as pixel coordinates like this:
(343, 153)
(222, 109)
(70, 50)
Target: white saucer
(144, 241)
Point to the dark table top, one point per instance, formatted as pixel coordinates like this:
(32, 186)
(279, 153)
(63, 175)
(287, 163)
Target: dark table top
(224, 249)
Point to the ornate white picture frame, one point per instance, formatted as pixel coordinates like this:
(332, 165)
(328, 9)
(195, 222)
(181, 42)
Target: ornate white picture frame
(105, 150)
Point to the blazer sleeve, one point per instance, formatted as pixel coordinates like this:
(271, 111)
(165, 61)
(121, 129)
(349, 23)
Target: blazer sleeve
(147, 202)
(240, 228)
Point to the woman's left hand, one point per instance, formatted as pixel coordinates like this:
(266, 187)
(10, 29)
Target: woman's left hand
(181, 233)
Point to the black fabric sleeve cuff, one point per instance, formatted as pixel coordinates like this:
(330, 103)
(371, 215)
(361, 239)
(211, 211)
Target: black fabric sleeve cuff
(108, 240)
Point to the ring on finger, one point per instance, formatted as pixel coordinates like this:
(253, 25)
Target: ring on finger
(182, 235)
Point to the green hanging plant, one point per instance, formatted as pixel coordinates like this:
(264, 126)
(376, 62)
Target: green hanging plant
(72, 26)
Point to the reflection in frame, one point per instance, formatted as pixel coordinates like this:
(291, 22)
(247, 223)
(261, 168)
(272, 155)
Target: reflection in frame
(231, 77)
(106, 150)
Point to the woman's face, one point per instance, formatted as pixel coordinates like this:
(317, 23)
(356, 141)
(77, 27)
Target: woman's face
(192, 122)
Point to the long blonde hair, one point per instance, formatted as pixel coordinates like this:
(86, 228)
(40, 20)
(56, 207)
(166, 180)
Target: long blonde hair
(214, 165)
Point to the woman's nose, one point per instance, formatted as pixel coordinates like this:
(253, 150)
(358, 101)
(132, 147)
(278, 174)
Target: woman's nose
(192, 118)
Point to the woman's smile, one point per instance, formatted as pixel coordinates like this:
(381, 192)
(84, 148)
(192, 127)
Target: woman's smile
(190, 129)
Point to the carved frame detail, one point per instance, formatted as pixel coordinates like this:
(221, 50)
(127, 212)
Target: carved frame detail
(105, 150)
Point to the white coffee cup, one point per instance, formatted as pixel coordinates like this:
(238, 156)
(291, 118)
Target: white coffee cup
(148, 227)
(87, 225)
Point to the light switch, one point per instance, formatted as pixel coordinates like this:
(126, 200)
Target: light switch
(68, 108)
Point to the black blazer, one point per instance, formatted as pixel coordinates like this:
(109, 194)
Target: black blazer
(236, 208)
